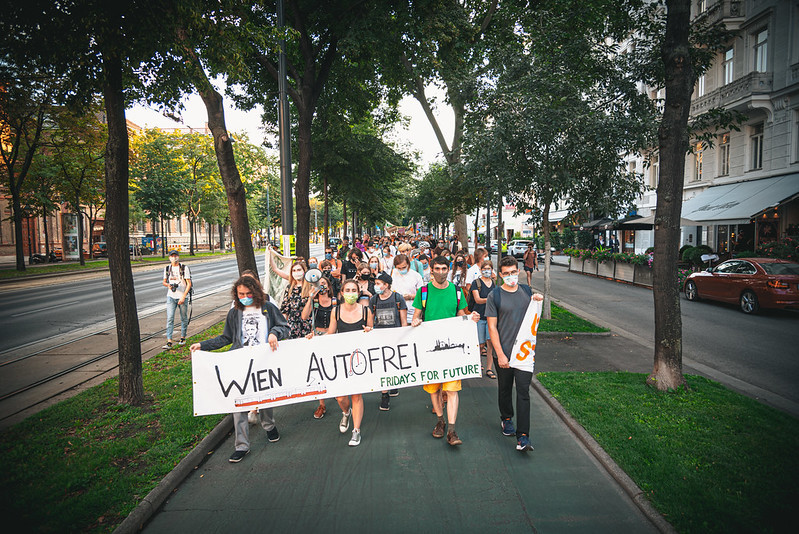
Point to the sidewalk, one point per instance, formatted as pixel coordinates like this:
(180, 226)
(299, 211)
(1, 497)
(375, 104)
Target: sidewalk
(401, 479)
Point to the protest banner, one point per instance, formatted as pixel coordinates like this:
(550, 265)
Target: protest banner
(524, 346)
(274, 284)
(334, 366)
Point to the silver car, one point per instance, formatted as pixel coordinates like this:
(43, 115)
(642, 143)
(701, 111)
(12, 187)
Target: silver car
(518, 247)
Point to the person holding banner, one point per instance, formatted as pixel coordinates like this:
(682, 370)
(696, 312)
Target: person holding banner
(506, 310)
(390, 311)
(294, 300)
(350, 316)
(254, 321)
(441, 299)
(318, 309)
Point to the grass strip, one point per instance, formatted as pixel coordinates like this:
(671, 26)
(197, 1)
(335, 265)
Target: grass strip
(565, 321)
(709, 459)
(85, 463)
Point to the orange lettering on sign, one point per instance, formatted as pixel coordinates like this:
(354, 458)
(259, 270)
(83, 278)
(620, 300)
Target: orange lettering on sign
(525, 348)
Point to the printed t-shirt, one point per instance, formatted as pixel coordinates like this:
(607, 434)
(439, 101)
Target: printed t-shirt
(253, 327)
(441, 303)
(386, 312)
(173, 277)
(511, 313)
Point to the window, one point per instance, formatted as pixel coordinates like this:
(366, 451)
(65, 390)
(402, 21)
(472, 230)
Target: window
(701, 6)
(729, 55)
(700, 86)
(757, 146)
(698, 154)
(654, 171)
(724, 154)
(632, 167)
(761, 51)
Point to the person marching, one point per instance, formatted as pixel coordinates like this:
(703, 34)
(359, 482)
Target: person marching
(318, 309)
(350, 316)
(480, 289)
(441, 299)
(504, 321)
(389, 311)
(254, 321)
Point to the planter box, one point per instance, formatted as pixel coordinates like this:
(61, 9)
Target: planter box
(590, 266)
(643, 275)
(576, 265)
(606, 269)
(625, 272)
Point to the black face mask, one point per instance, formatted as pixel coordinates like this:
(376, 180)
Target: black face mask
(458, 263)
(323, 289)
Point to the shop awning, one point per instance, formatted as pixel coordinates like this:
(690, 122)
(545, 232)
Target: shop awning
(647, 223)
(738, 203)
(603, 223)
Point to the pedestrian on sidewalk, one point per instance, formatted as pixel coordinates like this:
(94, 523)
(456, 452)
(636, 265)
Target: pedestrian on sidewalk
(350, 316)
(263, 323)
(530, 262)
(177, 278)
(505, 309)
(390, 311)
(441, 299)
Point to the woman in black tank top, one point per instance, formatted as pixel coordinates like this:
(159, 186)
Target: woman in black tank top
(319, 307)
(350, 316)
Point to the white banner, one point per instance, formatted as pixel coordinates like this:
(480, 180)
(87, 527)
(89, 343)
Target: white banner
(524, 346)
(335, 365)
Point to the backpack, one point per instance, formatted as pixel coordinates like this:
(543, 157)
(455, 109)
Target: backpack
(458, 293)
(470, 303)
(498, 295)
(182, 268)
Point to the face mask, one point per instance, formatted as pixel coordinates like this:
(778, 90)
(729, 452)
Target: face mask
(440, 277)
(458, 263)
(373, 265)
(247, 301)
(425, 266)
(326, 272)
(350, 298)
(297, 276)
(312, 265)
(323, 289)
(511, 279)
(487, 273)
(379, 290)
(328, 256)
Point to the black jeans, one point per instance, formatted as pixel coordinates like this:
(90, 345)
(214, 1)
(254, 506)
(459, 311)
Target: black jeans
(505, 379)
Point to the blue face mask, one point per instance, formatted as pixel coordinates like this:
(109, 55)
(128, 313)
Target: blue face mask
(404, 271)
(247, 301)
(379, 290)
(312, 265)
(328, 256)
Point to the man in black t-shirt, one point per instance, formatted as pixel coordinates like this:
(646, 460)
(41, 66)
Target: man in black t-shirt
(390, 311)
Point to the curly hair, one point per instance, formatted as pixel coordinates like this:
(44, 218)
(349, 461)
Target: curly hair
(258, 295)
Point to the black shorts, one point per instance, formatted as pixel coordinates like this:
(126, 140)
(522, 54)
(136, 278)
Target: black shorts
(529, 269)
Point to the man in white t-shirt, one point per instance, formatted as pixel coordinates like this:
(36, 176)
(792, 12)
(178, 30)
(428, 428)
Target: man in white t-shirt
(474, 271)
(405, 281)
(177, 278)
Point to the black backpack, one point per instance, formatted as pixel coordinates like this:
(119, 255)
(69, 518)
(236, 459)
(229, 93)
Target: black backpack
(182, 268)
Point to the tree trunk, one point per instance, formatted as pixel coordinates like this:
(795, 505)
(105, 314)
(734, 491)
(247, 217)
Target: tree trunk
(546, 312)
(303, 180)
(476, 227)
(79, 213)
(191, 237)
(46, 238)
(18, 239)
(673, 139)
(131, 388)
(500, 231)
(236, 196)
(488, 231)
(345, 218)
(221, 238)
(210, 238)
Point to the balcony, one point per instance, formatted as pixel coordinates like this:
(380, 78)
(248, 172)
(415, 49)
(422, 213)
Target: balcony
(730, 12)
(754, 83)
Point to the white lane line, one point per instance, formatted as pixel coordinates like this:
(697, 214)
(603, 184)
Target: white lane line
(44, 309)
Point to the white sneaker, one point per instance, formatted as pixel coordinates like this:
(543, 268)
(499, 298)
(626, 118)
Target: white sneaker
(356, 438)
(252, 417)
(345, 421)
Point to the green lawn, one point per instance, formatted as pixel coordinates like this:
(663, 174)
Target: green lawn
(565, 321)
(85, 463)
(709, 459)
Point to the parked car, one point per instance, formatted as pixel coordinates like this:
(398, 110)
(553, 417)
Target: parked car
(100, 250)
(752, 283)
(494, 246)
(518, 247)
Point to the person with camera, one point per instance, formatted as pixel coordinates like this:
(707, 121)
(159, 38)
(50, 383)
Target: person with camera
(177, 278)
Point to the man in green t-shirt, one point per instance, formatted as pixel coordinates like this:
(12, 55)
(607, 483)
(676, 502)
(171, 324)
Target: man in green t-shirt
(443, 300)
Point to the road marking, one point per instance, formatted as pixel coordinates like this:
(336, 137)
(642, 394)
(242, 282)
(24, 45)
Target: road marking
(45, 309)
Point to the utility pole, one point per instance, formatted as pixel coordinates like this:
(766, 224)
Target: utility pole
(286, 200)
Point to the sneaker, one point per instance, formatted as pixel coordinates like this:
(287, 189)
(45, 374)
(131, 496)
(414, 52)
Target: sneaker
(507, 428)
(384, 401)
(393, 393)
(252, 417)
(237, 456)
(453, 439)
(272, 435)
(438, 431)
(320, 412)
(167, 346)
(345, 421)
(523, 444)
(182, 341)
(355, 440)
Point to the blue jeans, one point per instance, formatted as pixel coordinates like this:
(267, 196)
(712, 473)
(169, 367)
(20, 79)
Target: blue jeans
(171, 304)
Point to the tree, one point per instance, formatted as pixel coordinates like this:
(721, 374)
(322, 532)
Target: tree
(157, 177)
(200, 177)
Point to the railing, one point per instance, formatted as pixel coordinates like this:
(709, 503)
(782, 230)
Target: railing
(752, 83)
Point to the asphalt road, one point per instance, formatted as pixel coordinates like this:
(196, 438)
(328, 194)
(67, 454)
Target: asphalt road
(718, 339)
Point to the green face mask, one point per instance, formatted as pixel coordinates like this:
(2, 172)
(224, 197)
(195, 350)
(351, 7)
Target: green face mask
(350, 298)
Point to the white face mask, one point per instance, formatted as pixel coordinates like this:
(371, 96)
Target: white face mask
(487, 273)
(511, 279)
(298, 275)
(373, 265)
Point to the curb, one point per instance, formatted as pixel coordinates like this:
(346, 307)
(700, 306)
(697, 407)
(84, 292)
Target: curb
(574, 334)
(627, 484)
(140, 515)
